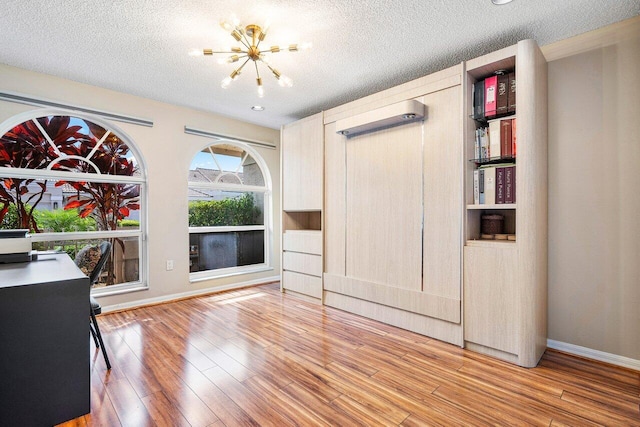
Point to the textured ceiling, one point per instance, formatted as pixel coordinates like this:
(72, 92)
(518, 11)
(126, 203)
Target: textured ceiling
(359, 47)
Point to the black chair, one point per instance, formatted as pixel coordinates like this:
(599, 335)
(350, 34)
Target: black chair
(95, 308)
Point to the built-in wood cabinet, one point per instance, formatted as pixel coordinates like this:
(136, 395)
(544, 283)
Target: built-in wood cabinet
(393, 231)
(302, 149)
(505, 281)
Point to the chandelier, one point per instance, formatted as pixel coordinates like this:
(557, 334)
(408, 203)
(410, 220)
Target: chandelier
(250, 38)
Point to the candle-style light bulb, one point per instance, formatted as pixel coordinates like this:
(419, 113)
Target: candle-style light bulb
(285, 81)
(226, 82)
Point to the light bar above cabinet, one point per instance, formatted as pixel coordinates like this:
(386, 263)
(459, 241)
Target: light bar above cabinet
(381, 118)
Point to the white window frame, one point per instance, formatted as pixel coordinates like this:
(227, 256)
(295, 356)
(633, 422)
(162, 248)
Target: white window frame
(140, 180)
(267, 225)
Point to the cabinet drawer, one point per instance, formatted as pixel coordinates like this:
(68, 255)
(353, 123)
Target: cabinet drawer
(302, 283)
(302, 263)
(307, 241)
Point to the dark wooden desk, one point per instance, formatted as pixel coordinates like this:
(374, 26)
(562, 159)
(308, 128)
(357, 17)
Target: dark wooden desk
(44, 342)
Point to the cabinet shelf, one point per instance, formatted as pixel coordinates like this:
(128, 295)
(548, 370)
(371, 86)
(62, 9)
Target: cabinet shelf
(485, 120)
(494, 160)
(492, 207)
(490, 243)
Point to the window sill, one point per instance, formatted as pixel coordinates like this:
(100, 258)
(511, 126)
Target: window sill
(201, 276)
(119, 289)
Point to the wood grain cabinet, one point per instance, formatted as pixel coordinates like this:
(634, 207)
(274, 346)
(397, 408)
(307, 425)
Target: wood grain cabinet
(393, 232)
(302, 199)
(505, 281)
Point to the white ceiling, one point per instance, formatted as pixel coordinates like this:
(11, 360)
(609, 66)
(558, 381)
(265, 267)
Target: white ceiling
(359, 47)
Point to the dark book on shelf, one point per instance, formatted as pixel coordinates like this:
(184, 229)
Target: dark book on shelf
(510, 184)
(489, 184)
(500, 185)
(502, 103)
(511, 95)
(478, 100)
(505, 138)
(481, 185)
(490, 95)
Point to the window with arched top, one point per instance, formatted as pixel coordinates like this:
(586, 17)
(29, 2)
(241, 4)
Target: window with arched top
(74, 180)
(229, 210)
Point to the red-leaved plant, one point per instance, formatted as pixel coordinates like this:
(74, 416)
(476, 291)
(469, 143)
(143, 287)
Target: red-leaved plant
(72, 148)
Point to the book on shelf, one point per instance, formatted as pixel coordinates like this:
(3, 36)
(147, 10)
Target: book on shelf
(489, 185)
(494, 139)
(511, 94)
(480, 186)
(513, 137)
(510, 184)
(490, 96)
(476, 187)
(481, 144)
(478, 100)
(494, 184)
(505, 138)
(502, 89)
(499, 185)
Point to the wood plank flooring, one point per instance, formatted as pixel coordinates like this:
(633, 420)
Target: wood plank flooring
(256, 357)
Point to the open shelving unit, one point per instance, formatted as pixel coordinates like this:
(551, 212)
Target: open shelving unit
(505, 281)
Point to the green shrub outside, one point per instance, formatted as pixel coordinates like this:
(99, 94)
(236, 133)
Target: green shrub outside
(228, 212)
(60, 220)
(128, 223)
(10, 220)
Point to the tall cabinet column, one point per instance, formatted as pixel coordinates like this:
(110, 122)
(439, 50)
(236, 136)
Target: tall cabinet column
(302, 150)
(505, 253)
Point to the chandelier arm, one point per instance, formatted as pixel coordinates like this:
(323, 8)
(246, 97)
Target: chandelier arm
(243, 64)
(246, 42)
(269, 51)
(225, 51)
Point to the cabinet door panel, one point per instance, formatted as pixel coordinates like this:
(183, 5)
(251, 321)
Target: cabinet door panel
(443, 209)
(302, 167)
(491, 312)
(384, 207)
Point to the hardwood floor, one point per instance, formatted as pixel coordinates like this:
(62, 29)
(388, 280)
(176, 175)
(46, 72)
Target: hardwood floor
(259, 357)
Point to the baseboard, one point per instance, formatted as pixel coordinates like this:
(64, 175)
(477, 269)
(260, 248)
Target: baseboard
(589, 353)
(182, 295)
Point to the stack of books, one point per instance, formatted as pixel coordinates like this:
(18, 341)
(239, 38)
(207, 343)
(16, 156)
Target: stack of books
(494, 184)
(494, 96)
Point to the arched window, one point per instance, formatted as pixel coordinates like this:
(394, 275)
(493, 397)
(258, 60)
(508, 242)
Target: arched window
(229, 211)
(74, 180)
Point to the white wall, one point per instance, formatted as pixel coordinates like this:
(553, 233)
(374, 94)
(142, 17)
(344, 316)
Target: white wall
(167, 151)
(594, 194)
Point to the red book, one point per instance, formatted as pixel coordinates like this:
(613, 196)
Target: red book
(505, 138)
(490, 96)
(513, 137)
